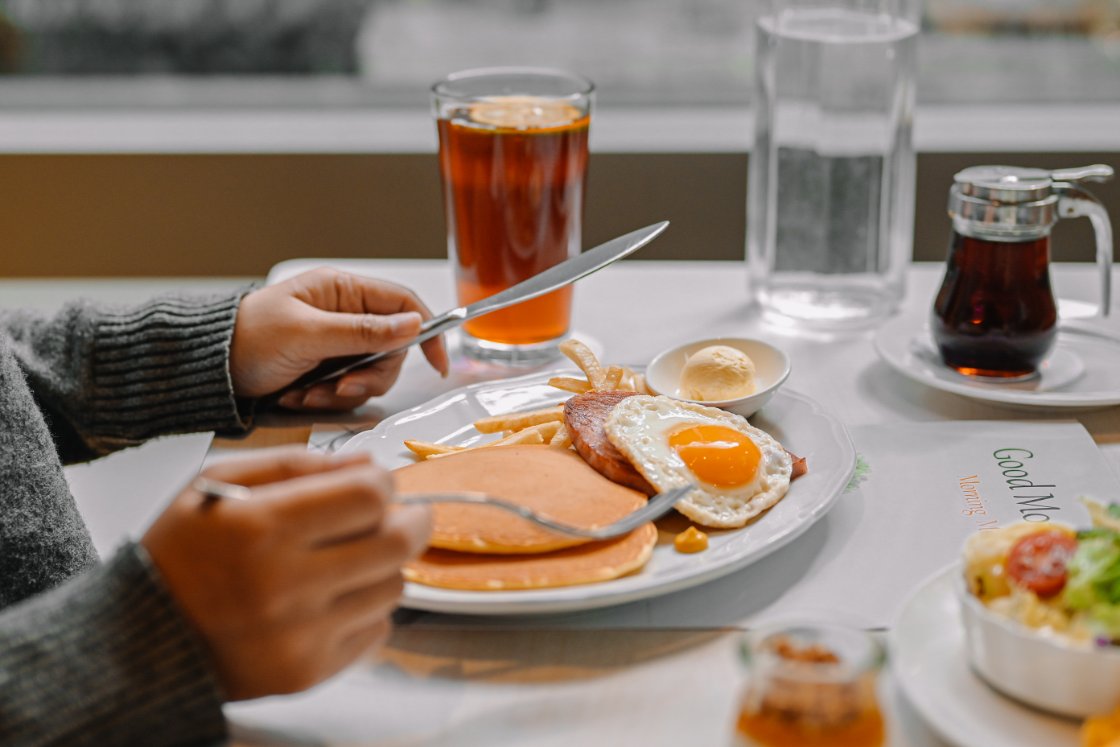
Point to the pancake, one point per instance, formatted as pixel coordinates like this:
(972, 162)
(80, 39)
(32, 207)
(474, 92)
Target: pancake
(554, 482)
(586, 564)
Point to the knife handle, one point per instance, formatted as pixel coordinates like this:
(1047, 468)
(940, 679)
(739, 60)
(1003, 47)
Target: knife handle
(332, 368)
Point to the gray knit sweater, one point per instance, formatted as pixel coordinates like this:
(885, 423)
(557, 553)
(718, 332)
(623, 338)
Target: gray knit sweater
(99, 654)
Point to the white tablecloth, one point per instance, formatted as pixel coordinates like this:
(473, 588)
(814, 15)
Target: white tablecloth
(565, 686)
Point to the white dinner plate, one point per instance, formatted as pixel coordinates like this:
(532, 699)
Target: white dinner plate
(928, 659)
(798, 422)
(1082, 372)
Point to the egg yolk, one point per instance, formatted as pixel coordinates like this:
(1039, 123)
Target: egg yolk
(718, 455)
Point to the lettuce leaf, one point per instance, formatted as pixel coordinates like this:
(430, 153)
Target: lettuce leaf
(1104, 620)
(1093, 584)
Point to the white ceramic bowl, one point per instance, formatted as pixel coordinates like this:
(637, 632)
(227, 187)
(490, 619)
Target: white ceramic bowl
(1039, 669)
(663, 374)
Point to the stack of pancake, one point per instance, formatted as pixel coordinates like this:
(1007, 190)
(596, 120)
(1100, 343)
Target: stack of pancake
(486, 549)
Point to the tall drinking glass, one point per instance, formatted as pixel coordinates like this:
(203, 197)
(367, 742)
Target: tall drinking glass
(830, 210)
(513, 157)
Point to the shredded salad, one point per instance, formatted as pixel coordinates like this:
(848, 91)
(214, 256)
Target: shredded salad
(1051, 577)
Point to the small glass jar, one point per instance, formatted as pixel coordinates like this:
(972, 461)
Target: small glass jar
(811, 685)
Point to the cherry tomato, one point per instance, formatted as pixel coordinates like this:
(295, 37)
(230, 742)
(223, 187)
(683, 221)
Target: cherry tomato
(1038, 561)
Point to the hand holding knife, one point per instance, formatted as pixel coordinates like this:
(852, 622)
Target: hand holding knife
(544, 282)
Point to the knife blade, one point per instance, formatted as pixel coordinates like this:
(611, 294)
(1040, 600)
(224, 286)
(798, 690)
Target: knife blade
(554, 277)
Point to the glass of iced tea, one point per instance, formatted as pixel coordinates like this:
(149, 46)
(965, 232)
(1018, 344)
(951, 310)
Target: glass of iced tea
(513, 159)
(811, 685)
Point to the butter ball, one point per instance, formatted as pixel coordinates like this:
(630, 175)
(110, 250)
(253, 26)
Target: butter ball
(717, 373)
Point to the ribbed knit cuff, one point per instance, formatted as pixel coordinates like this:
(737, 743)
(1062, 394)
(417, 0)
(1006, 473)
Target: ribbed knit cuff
(164, 368)
(106, 659)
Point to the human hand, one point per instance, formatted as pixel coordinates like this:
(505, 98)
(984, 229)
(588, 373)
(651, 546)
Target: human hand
(292, 585)
(285, 330)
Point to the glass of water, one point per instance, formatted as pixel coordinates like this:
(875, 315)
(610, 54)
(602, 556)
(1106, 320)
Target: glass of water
(830, 210)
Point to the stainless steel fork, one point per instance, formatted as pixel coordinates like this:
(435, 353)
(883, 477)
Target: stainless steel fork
(657, 506)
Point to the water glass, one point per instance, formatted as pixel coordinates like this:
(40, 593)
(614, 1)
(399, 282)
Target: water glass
(831, 192)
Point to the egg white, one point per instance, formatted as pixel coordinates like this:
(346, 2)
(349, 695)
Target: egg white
(639, 427)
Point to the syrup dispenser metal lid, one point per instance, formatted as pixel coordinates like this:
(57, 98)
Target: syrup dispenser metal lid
(1013, 203)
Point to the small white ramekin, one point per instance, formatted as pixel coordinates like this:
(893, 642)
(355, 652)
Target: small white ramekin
(772, 368)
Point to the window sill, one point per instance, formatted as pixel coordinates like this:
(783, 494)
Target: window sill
(938, 129)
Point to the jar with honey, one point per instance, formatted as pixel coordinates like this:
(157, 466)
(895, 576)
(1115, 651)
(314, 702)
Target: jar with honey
(995, 315)
(811, 686)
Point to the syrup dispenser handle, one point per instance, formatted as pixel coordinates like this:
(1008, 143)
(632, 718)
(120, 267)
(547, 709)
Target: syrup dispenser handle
(1077, 203)
(1098, 172)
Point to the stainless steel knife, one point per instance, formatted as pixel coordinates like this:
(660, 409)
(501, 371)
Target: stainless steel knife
(547, 281)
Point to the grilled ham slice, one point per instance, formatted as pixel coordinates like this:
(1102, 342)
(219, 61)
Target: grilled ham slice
(585, 415)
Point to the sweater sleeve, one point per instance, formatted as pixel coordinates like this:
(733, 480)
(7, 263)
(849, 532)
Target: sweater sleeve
(106, 659)
(109, 378)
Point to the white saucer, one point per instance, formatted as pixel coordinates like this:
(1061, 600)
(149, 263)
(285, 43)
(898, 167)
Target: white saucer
(928, 660)
(1083, 371)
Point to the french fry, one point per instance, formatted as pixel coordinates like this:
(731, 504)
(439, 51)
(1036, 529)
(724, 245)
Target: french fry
(545, 425)
(628, 379)
(527, 436)
(423, 449)
(613, 378)
(516, 421)
(541, 433)
(570, 384)
(582, 356)
(521, 438)
(562, 439)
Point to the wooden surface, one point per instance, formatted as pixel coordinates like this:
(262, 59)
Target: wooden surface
(150, 215)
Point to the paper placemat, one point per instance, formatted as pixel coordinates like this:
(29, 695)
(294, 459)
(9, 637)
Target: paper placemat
(920, 490)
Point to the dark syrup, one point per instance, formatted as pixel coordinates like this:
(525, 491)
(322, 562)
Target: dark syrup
(995, 315)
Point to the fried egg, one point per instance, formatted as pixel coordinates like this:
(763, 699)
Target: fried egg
(739, 471)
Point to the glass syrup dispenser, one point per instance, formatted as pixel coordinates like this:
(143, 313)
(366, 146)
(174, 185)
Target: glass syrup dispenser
(995, 314)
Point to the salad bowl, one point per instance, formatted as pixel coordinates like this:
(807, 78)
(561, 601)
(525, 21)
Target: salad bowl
(1040, 615)
(1040, 669)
